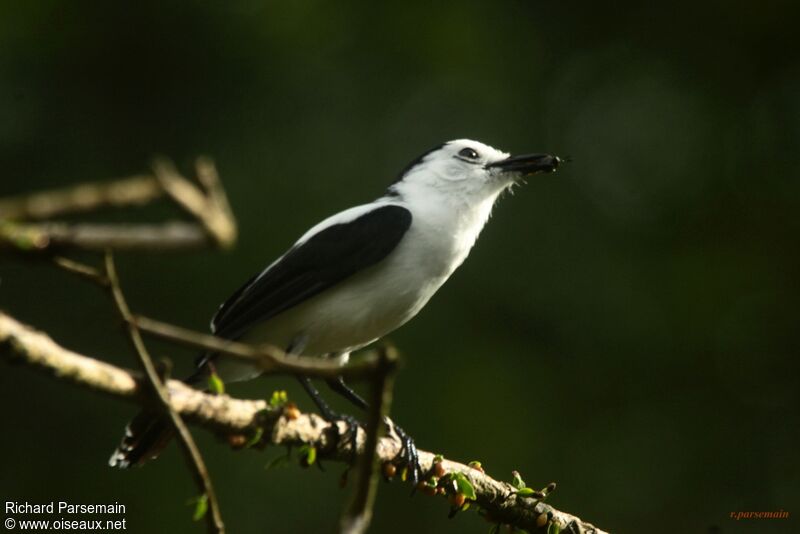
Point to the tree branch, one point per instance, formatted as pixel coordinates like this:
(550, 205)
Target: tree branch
(190, 451)
(45, 236)
(227, 416)
(84, 271)
(358, 515)
(133, 191)
(268, 358)
(207, 205)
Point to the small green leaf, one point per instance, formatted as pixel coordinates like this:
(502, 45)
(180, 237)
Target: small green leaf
(517, 481)
(438, 458)
(200, 507)
(463, 485)
(215, 384)
(278, 399)
(255, 438)
(554, 528)
(308, 455)
(524, 492)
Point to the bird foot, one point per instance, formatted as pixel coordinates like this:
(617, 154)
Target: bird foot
(408, 456)
(350, 433)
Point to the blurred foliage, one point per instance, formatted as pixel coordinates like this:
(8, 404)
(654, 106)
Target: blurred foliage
(626, 327)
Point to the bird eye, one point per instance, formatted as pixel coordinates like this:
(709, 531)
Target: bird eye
(468, 153)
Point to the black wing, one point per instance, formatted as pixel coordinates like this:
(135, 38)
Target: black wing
(307, 269)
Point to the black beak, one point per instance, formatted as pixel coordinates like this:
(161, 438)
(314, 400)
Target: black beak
(527, 164)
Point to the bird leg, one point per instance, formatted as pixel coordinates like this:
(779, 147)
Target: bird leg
(408, 452)
(351, 434)
(339, 386)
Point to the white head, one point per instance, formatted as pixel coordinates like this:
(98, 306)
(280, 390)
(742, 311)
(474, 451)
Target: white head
(468, 171)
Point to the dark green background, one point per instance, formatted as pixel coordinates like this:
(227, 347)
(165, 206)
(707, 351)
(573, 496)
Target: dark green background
(626, 327)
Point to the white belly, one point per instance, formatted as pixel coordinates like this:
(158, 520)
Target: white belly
(348, 316)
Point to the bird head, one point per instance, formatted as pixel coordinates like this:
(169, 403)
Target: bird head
(470, 170)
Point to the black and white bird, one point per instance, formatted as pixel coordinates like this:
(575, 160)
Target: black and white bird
(358, 275)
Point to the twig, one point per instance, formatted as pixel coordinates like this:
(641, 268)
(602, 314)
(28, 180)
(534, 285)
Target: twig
(38, 237)
(268, 358)
(133, 191)
(221, 413)
(185, 440)
(224, 223)
(82, 270)
(211, 207)
(358, 514)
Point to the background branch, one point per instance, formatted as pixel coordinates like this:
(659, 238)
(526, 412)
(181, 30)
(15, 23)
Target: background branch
(120, 193)
(173, 235)
(358, 514)
(225, 416)
(209, 206)
(187, 445)
(206, 203)
(268, 358)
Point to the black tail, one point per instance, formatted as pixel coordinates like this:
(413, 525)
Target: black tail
(149, 432)
(145, 437)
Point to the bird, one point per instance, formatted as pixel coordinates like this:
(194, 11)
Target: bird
(357, 276)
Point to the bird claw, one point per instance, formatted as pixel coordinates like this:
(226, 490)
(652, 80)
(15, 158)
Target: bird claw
(350, 435)
(408, 455)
